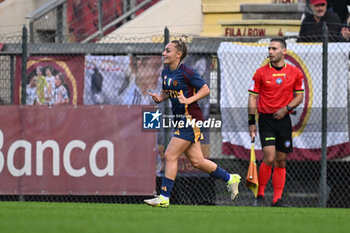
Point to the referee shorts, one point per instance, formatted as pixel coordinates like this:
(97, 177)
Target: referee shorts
(276, 132)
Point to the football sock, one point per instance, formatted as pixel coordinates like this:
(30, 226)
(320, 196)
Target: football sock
(167, 187)
(220, 173)
(278, 181)
(264, 177)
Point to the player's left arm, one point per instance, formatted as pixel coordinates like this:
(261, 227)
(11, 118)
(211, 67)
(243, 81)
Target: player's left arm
(203, 92)
(199, 84)
(298, 98)
(298, 91)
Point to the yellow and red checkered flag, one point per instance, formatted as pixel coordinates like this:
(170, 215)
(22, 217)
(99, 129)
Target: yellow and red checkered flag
(252, 175)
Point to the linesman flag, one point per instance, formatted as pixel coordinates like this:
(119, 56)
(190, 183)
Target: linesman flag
(252, 175)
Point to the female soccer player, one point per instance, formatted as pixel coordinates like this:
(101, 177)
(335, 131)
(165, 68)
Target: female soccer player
(185, 87)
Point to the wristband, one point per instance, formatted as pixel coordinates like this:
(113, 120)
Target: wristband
(289, 108)
(251, 119)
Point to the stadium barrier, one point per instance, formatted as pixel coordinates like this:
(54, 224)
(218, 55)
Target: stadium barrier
(67, 78)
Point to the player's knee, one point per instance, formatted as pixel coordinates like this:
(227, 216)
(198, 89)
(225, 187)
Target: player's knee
(281, 163)
(281, 160)
(268, 161)
(196, 163)
(269, 154)
(170, 157)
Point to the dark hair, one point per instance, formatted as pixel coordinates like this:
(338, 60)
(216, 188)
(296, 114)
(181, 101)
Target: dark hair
(281, 41)
(31, 76)
(181, 46)
(61, 78)
(63, 83)
(48, 68)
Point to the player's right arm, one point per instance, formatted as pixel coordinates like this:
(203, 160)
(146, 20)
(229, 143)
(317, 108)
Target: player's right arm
(159, 98)
(251, 113)
(254, 90)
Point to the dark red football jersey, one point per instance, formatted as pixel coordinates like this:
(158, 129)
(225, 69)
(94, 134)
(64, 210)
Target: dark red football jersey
(276, 87)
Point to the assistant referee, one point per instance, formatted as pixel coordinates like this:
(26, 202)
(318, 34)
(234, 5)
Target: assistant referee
(280, 88)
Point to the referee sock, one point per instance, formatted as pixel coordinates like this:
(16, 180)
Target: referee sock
(167, 187)
(278, 181)
(220, 173)
(264, 177)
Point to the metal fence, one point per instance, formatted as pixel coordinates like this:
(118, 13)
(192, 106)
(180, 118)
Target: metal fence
(123, 73)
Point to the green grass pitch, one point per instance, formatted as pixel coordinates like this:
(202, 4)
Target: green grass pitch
(45, 217)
